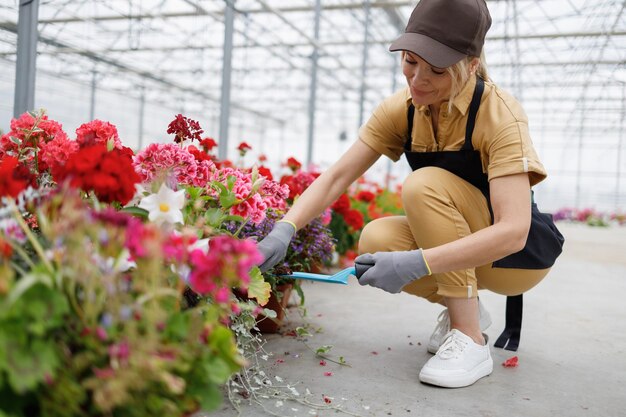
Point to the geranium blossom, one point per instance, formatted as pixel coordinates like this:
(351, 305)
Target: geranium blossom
(185, 129)
(11, 182)
(208, 144)
(22, 127)
(109, 174)
(175, 164)
(226, 264)
(243, 148)
(55, 153)
(165, 206)
(298, 182)
(293, 164)
(98, 132)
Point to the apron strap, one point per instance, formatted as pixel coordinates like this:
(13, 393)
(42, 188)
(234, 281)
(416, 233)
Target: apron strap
(509, 339)
(473, 109)
(409, 139)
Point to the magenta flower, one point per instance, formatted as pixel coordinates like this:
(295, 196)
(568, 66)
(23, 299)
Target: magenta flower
(227, 264)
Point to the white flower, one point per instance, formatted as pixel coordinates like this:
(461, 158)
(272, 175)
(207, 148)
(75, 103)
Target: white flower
(165, 206)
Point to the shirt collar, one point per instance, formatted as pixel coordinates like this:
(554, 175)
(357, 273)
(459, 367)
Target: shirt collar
(464, 98)
(461, 101)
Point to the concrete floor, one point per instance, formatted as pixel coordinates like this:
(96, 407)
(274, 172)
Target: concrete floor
(572, 355)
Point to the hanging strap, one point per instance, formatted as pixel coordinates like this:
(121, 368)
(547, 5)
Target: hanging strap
(409, 139)
(473, 110)
(509, 339)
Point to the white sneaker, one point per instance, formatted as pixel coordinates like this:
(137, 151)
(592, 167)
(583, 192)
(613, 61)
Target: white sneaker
(443, 327)
(459, 362)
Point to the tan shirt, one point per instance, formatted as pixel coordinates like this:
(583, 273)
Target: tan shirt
(501, 131)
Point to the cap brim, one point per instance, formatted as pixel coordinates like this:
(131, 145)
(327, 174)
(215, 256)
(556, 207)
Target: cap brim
(435, 53)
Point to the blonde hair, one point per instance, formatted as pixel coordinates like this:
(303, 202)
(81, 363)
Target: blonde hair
(460, 74)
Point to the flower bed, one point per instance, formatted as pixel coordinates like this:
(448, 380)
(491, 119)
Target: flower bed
(590, 217)
(117, 269)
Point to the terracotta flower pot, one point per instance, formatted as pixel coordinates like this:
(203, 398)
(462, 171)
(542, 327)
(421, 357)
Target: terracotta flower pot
(277, 303)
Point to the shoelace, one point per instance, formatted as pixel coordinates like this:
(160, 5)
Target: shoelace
(443, 323)
(452, 347)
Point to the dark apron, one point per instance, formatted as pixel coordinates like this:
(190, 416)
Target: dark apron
(544, 243)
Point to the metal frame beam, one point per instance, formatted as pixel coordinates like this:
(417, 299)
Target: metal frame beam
(25, 66)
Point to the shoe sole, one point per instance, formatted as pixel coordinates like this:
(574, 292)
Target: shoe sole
(459, 381)
(432, 348)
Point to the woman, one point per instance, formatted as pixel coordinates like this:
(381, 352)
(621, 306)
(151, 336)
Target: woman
(467, 201)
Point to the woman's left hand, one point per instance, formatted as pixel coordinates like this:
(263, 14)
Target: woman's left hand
(390, 271)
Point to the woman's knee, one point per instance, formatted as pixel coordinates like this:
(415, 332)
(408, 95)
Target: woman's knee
(417, 183)
(386, 234)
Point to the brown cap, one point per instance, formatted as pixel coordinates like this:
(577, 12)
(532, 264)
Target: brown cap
(442, 32)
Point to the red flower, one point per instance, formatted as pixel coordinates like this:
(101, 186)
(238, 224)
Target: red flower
(243, 148)
(342, 204)
(23, 126)
(13, 178)
(208, 144)
(198, 154)
(110, 175)
(97, 132)
(511, 362)
(262, 158)
(185, 129)
(298, 183)
(293, 164)
(5, 249)
(365, 196)
(266, 172)
(354, 218)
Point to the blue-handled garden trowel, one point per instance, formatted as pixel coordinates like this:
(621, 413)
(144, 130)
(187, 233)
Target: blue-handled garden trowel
(340, 277)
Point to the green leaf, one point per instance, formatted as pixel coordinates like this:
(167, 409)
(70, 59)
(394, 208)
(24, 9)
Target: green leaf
(214, 217)
(270, 314)
(177, 326)
(26, 283)
(258, 288)
(29, 365)
(209, 396)
(136, 211)
(323, 349)
(302, 332)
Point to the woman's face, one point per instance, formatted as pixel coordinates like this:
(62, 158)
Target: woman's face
(429, 85)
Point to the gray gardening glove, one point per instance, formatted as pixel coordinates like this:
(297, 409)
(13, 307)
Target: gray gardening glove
(390, 271)
(274, 246)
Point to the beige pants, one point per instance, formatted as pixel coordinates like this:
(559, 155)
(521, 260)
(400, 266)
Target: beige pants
(441, 207)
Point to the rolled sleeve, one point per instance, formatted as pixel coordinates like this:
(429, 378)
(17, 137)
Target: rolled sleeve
(511, 152)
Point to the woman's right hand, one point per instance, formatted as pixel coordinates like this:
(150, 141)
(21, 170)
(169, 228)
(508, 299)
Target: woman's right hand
(274, 246)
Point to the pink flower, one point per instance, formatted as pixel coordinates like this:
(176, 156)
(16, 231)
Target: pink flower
(137, 236)
(56, 152)
(254, 207)
(101, 333)
(98, 132)
(175, 164)
(227, 264)
(105, 373)
(275, 194)
(49, 130)
(120, 351)
(326, 216)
